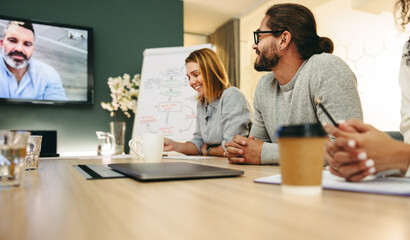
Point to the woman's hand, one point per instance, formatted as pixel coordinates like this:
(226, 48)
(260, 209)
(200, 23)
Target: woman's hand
(345, 158)
(204, 149)
(186, 148)
(357, 155)
(169, 145)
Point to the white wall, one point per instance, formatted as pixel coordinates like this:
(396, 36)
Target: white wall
(194, 39)
(366, 39)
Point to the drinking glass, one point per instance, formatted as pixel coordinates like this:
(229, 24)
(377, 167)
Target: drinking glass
(13, 147)
(33, 151)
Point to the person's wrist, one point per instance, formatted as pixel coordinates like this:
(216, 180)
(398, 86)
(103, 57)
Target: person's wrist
(407, 172)
(406, 161)
(174, 146)
(202, 152)
(402, 158)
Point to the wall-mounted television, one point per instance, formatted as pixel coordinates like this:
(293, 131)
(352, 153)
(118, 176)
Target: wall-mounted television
(45, 63)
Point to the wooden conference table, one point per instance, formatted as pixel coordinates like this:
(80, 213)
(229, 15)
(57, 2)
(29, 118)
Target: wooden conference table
(56, 202)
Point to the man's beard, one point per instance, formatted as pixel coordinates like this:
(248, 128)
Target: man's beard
(265, 64)
(15, 63)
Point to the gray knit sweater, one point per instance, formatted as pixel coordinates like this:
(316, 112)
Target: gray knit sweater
(322, 76)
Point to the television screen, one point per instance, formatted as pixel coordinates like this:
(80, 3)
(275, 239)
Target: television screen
(42, 62)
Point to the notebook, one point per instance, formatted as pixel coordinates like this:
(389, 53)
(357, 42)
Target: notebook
(172, 171)
(381, 185)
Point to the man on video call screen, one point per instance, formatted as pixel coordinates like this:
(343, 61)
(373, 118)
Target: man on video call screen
(22, 76)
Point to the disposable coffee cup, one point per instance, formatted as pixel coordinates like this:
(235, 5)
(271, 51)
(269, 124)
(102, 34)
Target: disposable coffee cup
(301, 158)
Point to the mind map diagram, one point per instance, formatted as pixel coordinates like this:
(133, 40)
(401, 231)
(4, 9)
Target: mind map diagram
(167, 105)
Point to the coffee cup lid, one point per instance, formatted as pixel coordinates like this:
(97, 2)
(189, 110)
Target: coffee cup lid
(302, 130)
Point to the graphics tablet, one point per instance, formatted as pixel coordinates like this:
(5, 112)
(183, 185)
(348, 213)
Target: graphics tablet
(172, 170)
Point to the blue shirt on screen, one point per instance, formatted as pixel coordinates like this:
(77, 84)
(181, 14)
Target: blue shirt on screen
(40, 82)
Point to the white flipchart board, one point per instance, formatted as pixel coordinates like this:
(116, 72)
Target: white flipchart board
(166, 102)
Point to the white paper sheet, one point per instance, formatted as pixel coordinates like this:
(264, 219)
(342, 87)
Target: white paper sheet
(90, 157)
(382, 185)
(185, 157)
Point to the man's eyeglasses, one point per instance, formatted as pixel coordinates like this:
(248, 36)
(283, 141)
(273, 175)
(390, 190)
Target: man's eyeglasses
(256, 35)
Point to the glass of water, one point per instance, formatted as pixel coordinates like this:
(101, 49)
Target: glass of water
(13, 147)
(33, 152)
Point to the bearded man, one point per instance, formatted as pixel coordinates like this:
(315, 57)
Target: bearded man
(302, 69)
(21, 76)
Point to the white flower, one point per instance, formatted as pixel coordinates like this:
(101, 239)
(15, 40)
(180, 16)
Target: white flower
(124, 94)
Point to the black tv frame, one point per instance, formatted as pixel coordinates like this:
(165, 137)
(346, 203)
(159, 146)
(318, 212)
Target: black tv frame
(90, 67)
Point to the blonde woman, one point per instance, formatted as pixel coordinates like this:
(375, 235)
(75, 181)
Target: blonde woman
(222, 110)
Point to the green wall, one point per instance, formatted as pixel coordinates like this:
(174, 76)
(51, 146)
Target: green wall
(122, 30)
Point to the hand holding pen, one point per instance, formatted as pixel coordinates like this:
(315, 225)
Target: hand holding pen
(332, 119)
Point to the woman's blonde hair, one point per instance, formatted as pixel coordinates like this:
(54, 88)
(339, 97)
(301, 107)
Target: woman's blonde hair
(215, 79)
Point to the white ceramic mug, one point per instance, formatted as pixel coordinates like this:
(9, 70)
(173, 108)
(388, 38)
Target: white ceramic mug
(149, 147)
